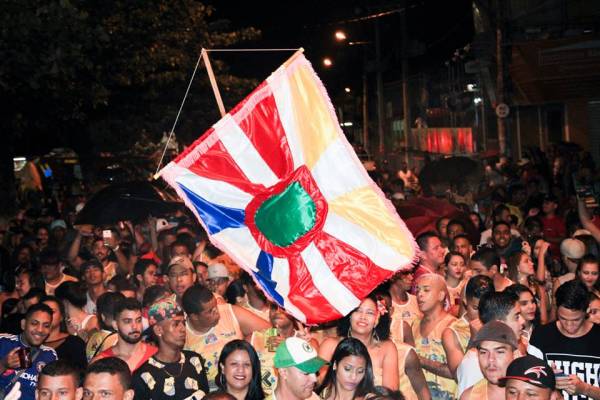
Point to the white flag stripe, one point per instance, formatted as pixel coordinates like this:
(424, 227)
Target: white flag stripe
(216, 192)
(336, 173)
(244, 153)
(338, 295)
(240, 243)
(280, 88)
(380, 253)
(281, 276)
(170, 174)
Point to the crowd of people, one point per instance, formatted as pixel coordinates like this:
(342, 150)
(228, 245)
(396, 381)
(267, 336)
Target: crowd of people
(152, 310)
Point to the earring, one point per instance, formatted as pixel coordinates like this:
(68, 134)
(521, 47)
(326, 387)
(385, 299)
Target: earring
(350, 331)
(375, 336)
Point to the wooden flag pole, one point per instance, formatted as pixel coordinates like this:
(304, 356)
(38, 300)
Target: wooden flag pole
(293, 56)
(213, 82)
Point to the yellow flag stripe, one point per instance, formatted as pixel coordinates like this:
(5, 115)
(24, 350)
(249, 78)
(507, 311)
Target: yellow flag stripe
(316, 126)
(365, 208)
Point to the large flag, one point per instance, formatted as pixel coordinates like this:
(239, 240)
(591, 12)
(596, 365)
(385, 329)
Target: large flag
(277, 187)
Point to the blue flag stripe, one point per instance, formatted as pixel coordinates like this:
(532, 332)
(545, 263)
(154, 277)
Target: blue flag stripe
(215, 217)
(264, 263)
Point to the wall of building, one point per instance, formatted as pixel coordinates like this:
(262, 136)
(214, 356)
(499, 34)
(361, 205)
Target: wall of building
(577, 122)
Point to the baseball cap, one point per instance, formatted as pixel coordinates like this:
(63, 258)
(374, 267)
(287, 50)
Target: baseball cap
(182, 261)
(580, 232)
(572, 248)
(295, 352)
(163, 309)
(59, 223)
(217, 270)
(532, 370)
(496, 331)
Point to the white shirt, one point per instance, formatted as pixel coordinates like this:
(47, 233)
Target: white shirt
(468, 372)
(90, 305)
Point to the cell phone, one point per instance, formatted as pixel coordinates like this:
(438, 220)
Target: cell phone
(24, 354)
(106, 235)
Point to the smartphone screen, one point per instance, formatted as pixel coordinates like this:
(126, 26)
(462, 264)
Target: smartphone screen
(106, 235)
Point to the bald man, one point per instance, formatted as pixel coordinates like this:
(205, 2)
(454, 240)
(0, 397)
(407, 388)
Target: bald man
(432, 299)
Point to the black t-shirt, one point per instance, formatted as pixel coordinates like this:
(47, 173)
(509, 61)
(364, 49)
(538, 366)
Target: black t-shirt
(73, 351)
(181, 380)
(574, 356)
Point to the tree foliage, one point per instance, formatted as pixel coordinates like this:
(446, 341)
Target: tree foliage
(108, 71)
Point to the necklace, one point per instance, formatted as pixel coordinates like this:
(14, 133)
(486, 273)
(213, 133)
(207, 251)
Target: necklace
(163, 366)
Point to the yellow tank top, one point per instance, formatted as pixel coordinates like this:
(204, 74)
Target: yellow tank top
(430, 347)
(461, 329)
(110, 270)
(408, 312)
(479, 391)
(404, 383)
(210, 344)
(456, 292)
(264, 314)
(100, 341)
(267, 371)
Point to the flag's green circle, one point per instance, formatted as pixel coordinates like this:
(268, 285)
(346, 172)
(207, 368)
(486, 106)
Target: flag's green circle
(285, 217)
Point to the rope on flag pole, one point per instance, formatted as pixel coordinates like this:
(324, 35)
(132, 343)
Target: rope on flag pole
(213, 83)
(156, 174)
(252, 50)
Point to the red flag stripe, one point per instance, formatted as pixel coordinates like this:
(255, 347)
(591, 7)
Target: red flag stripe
(304, 294)
(265, 131)
(350, 266)
(216, 163)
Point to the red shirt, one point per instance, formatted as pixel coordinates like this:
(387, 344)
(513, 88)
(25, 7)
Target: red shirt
(596, 221)
(554, 227)
(149, 351)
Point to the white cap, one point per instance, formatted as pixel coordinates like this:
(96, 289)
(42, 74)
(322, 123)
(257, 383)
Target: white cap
(217, 270)
(572, 248)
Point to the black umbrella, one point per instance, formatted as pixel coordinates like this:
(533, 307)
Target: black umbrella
(129, 201)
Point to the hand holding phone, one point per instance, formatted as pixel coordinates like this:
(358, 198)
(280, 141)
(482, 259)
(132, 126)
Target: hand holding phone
(106, 237)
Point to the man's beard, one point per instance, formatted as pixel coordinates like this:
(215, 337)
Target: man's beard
(129, 339)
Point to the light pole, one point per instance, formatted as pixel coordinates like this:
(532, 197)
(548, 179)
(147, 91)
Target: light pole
(379, 80)
(341, 36)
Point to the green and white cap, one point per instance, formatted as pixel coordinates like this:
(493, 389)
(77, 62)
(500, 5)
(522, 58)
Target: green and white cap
(295, 352)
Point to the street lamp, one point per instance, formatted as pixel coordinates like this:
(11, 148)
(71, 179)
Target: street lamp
(340, 35)
(327, 62)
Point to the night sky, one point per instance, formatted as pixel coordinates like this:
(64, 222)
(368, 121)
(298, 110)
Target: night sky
(439, 27)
